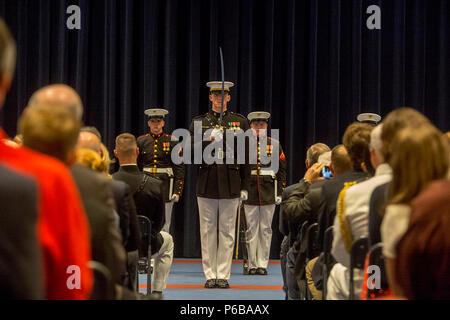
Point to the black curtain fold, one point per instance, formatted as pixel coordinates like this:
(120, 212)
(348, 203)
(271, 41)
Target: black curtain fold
(313, 64)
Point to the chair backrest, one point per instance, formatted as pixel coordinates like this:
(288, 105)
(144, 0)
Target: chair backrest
(376, 258)
(328, 240)
(145, 225)
(358, 255)
(103, 288)
(301, 233)
(328, 243)
(312, 247)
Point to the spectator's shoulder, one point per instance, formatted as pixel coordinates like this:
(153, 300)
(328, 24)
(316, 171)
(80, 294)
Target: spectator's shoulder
(238, 115)
(199, 117)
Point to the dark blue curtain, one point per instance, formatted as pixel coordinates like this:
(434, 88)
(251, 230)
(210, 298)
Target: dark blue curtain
(313, 64)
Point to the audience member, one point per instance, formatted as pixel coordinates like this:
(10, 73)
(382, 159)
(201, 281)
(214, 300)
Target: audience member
(418, 155)
(351, 221)
(51, 127)
(423, 253)
(356, 139)
(340, 164)
(21, 276)
(62, 228)
(393, 122)
(296, 209)
(151, 205)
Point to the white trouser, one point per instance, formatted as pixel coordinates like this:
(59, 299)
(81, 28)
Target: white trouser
(338, 285)
(163, 262)
(217, 256)
(259, 234)
(169, 206)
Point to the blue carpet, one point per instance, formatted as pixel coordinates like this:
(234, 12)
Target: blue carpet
(190, 274)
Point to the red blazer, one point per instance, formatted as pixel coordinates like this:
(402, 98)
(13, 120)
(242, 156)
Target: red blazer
(63, 228)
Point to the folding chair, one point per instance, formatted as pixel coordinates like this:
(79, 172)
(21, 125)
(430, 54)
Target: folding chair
(328, 243)
(103, 288)
(376, 259)
(301, 233)
(358, 254)
(144, 264)
(312, 250)
(301, 236)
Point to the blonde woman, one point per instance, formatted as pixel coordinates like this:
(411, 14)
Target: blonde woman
(106, 159)
(90, 159)
(417, 157)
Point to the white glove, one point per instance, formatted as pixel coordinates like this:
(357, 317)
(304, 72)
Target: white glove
(175, 198)
(217, 134)
(244, 195)
(277, 200)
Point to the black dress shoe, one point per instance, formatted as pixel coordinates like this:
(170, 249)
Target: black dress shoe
(222, 284)
(261, 271)
(252, 271)
(210, 284)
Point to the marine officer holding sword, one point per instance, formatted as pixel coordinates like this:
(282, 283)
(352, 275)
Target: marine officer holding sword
(220, 187)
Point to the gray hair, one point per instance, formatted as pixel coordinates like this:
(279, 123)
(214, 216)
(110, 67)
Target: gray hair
(313, 153)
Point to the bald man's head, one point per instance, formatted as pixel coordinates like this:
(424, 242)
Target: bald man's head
(58, 95)
(88, 140)
(340, 160)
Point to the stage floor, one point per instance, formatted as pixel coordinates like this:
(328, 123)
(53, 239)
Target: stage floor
(186, 280)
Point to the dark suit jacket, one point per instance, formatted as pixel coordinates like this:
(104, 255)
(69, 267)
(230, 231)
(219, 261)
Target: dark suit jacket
(329, 197)
(155, 208)
(283, 218)
(301, 204)
(377, 205)
(21, 272)
(121, 193)
(106, 241)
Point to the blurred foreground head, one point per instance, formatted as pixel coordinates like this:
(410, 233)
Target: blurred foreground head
(417, 156)
(49, 130)
(58, 95)
(7, 60)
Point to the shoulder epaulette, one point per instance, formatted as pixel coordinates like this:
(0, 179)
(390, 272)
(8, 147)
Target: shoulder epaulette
(238, 114)
(144, 135)
(199, 116)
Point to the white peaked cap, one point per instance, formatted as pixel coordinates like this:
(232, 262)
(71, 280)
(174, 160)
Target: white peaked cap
(217, 85)
(156, 112)
(369, 117)
(258, 115)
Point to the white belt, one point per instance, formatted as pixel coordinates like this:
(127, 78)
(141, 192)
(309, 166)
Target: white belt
(264, 173)
(268, 173)
(168, 171)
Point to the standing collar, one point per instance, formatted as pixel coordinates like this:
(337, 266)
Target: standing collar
(156, 136)
(217, 114)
